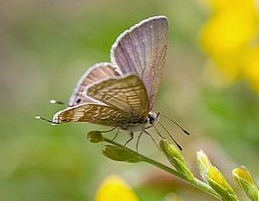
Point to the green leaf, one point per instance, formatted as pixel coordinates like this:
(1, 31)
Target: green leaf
(121, 154)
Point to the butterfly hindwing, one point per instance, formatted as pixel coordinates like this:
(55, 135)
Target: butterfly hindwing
(123, 102)
(93, 74)
(127, 94)
(92, 113)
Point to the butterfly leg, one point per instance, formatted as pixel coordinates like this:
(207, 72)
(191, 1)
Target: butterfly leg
(131, 138)
(152, 138)
(107, 131)
(115, 136)
(159, 132)
(138, 141)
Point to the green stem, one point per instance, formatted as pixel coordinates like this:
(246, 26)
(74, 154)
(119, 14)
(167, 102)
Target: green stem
(196, 182)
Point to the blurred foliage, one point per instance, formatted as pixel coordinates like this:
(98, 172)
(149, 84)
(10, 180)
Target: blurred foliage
(47, 45)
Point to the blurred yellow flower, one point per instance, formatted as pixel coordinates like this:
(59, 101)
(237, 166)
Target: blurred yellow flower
(171, 197)
(229, 37)
(251, 67)
(114, 188)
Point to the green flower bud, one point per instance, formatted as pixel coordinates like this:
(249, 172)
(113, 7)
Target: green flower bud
(121, 154)
(246, 182)
(218, 182)
(175, 158)
(203, 164)
(95, 136)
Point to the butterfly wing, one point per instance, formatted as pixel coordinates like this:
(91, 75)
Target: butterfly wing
(141, 50)
(92, 113)
(127, 94)
(101, 97)
(93, 74)
(123, 101)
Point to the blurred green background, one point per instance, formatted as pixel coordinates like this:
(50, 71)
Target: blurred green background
(45, 46)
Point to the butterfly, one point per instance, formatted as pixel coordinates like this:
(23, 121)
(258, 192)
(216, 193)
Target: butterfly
(122, 93)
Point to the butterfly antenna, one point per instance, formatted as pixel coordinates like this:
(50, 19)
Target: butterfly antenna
(44, 119)
(185, 131)
(56, 102)
(178, 145)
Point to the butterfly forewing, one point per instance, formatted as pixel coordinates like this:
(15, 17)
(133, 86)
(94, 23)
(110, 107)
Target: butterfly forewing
(127, 94)
(141, 50)
(93, 74)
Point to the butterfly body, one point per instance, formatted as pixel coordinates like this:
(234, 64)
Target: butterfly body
(121, 94)
(141, 126)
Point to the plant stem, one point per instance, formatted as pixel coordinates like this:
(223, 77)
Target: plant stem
(196, 182)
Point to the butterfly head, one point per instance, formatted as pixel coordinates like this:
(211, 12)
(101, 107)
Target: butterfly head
(152, 117)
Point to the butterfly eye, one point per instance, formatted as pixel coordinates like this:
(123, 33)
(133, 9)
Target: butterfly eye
(151, 119)
(78, 100)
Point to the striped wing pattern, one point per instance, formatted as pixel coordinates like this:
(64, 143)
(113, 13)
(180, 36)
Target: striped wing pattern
(93, 74)
(92, 113)
(127, 94)
(124, 102)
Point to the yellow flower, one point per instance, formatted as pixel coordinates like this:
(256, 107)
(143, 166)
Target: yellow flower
(216, 176)
(218, 182)
(244, 174)
(204, 163)
(246, 182)
(114, 188)
(229, 36)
